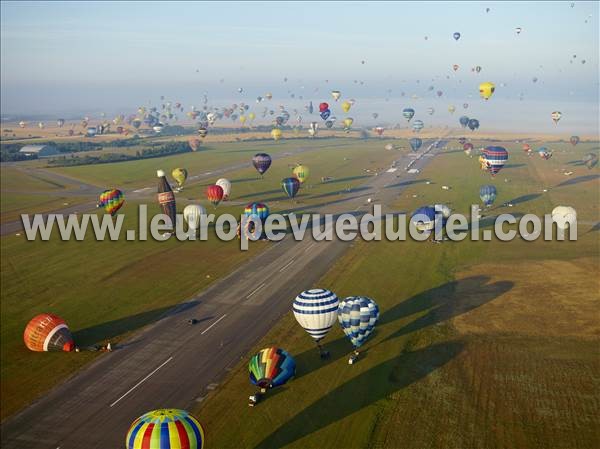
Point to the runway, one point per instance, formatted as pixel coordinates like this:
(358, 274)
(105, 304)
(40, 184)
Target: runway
(174, 364)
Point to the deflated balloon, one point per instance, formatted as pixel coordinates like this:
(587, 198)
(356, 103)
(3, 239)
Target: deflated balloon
(271, 367)
(111, 201)
(424, 218)
(48, 332)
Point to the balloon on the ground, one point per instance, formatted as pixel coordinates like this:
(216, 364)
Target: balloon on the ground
(544, 153)
(488, 194)
(225, 184)
(495, 158)
(574, 140)
(214, 194)
(590, 160)
(48, 332)
(424, 218)
(261, 162)
(165, 429)
(276, 133)
(467, 148)
(357, 316)
(564, 216)
(111, 200)
(415, 143)
(271, 367)
(527, 148)
(257, 210)
(194, 143)
(290, 186)
(418, 125)
(179, 175)
(556, 115)
(316, 310)
(301, 172)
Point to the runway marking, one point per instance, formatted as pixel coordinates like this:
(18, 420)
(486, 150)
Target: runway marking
(255, 290)
(286, 265)
(213, 324)
(142, 381)
(310, 246)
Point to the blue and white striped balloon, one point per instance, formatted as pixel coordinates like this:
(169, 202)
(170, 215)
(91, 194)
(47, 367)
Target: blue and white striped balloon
(316, 311)
(357, 316)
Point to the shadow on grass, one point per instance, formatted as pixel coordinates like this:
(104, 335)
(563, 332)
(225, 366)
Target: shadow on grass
(446, 301)
(406, 183)
(525, 198)
(114, 328)
(578, 180)
(346, 179)
(363, 390)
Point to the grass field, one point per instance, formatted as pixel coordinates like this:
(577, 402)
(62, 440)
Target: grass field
(107, 289)
(479, 344)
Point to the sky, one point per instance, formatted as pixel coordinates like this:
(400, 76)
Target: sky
(71, 57)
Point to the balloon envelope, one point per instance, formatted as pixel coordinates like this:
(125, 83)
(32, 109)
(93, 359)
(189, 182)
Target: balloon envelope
(261, 162)
(165, 429)
(290, 186)
(301, 172)
(48, 332)
(271, 367)
(316, 310)
(192, 213)
(357, 316)
(488, 194)
(495, 158)
(225, 184)
(111, 200)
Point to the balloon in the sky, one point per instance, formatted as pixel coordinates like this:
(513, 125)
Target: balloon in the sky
(451, 109)
(574, 140)
(214, 194)
(357, 316)
(462, 140)
(478, 68)
(346, 105)
(495, 158)
(179, 175)
(165, 429)
(271, 367)
(316, 310)
(47, 332)
(408, 113)
(430, 111)
(467, 148)
(486, 90)
(418, 125)
(415, 143)
(336, 94)
(261, 162)
(290, 186)
(225, 184)
(60, 122)
(465, 105)
(301, 172)
(439, 93)
(313, 127)
(518, 30)
(379, 130)
(488, 194)
(473, 124)
(202, 131)
(464, 121)
(564, 216)
(456, 36)
(325, 114)
(111, 201)
(424, 218)
(556, 115)
(276, 133)
(329, 124)
(192, 214)
(375, 115)
(455, 67)
(348, 123)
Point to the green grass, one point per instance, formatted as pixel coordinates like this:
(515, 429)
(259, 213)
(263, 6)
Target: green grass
(420, 382)
(97, 286)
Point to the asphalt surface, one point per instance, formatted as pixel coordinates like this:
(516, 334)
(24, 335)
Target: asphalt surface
(172, 363)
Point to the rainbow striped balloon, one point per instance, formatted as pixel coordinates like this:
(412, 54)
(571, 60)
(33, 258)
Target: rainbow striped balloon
(111, 200)
(165, 429)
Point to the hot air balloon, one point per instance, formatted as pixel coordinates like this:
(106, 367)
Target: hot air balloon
(456, 36)
(473, 124)
(91, 131)
(271, 367)
(418, 125)
(276, 134)
(495, 158)
(357, 316)
(462, 140)
(451, 109)
(430, 111)
(313, 127)
(225, 184)
(165, 429)
(478, 69)
(455, 67)
(556, 115)
(111, 201)
(465, 105)
(158, 128)
(194, 143)
(336, 94)
(590, 160)
(375, 115)
(424, 218)
(316, 310)
(415, 143)
(329, 124)
(214, 194)
(348, 123)
(346, 105)
(486, 90)
(290, 186)
(179, 175)
(564, 216)
(518, 30)
(488, 194)
(408, 113)
(464, 121)
(325, 114)
(257, 210)
(574, 140)
(544, 153)
(468, 147)
(388, 147)
(527, 148)
(47, 332)
(192, 213)
(261, 162)
(379, 130)
(60, 122)
(301, 172)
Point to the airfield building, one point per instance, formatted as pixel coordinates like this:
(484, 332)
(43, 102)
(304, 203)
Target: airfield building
(39, 150)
